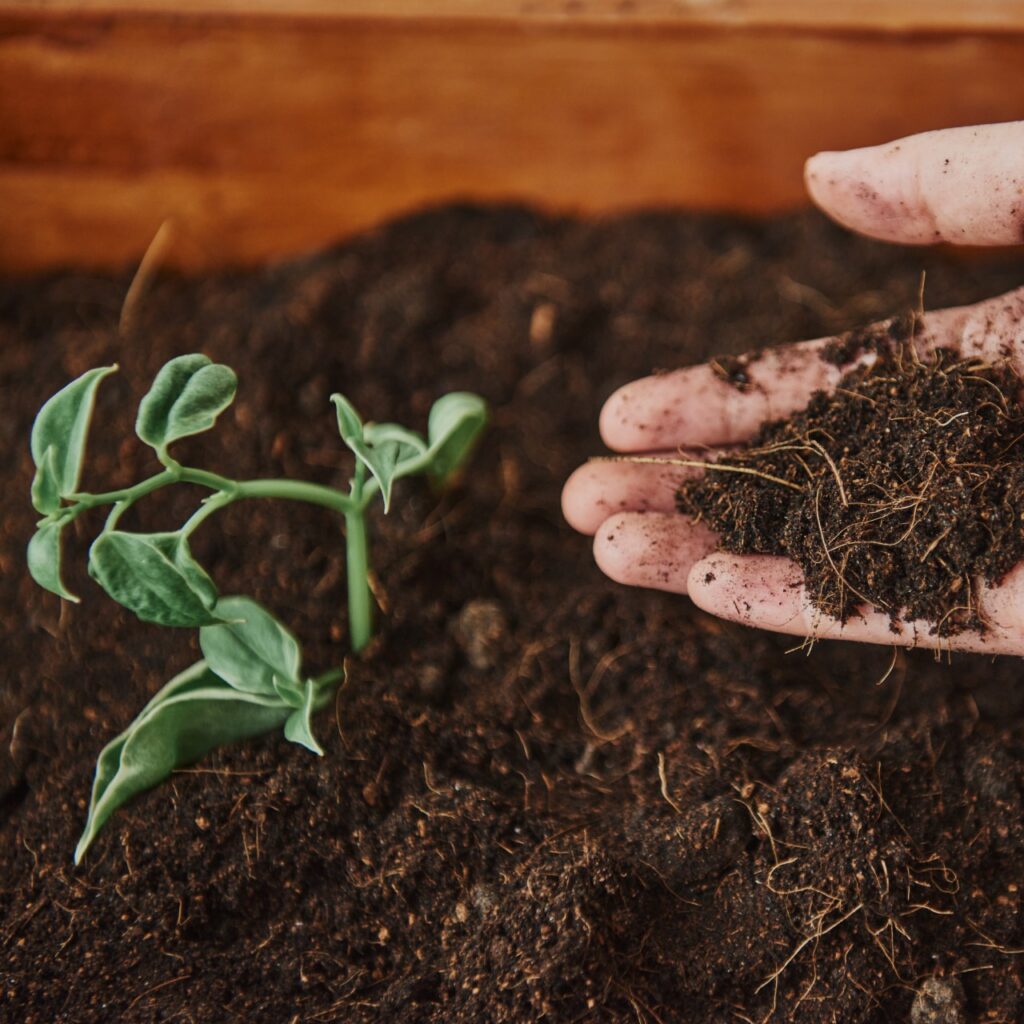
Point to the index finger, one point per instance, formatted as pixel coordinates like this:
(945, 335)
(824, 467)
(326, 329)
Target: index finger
(726, 402)
(960, 185)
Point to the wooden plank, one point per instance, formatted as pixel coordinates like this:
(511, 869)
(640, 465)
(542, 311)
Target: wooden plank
(262, 136)
(868, 15)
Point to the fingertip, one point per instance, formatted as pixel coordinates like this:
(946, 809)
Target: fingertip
(755, 590)
(1003, 605)
(847, 186)
(681, 408)
(650, 549)
(820, 177)
(614, 550)
(711, 584)
(618, 424)
(594, 492)
(603, 487)
(577, 510)
(873, 190)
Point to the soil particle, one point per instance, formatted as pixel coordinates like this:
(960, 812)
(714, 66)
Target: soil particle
(635, 813)
(851, 345)
(903, 490)
(735, 370)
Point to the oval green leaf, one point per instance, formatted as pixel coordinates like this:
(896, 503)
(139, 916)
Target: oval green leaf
(453, 427)
(43, 558)
(63, 424)
(194, 713)
(350, 426)
(187, 396)
(155, 576)
(250, 649)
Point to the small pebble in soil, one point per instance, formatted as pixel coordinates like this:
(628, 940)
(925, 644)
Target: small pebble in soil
(939, 1001)
(479, 629)
(432, 682)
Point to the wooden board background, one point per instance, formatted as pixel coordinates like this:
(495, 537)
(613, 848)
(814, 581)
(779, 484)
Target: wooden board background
(265, 128)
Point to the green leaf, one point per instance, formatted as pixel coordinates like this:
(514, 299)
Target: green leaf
(391, 452)
(43, 558)
(63, 424)
(298, 728)
(455, 422)
(251, 649)
(453, 427)
(155, 576)
(194, 713)
(187, 396)
(46, 483)
(350, 426)
(382, 447)
(395, 447)
(381, 462)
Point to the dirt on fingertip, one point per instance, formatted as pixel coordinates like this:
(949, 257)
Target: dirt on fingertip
(544, 797)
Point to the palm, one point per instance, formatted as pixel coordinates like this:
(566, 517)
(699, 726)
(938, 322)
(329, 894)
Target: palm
(629, 507)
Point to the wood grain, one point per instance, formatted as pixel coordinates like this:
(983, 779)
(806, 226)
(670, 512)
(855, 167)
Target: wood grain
(260, 135)
(871, 15)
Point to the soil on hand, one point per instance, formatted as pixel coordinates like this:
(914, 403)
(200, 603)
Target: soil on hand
(544, 796)
(903, 490)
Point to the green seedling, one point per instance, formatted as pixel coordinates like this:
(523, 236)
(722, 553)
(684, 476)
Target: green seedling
(250, 680)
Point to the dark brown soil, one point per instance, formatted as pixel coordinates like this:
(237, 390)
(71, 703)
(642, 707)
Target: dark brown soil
(544, 797)
(903, 490)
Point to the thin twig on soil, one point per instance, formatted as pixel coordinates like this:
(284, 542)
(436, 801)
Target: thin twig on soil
(664, 785)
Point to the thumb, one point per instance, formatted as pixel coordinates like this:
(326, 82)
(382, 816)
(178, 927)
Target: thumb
(960, 185)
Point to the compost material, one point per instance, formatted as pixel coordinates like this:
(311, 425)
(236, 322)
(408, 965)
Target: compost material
(544, 796)
(902, 490)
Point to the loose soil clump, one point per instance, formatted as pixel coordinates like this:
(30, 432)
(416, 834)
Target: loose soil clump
(543, 796)
(903, 489)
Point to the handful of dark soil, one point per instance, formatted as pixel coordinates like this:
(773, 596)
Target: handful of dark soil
(901, 490)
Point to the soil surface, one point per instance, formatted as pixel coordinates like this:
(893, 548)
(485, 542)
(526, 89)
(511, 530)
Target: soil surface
(544, 797)
(904, 489)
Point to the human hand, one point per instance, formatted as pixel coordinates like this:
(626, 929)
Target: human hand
(964, 185)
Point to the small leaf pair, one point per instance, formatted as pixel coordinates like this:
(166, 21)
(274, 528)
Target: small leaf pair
(187, 396)
(390, 451)
(247, 685)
